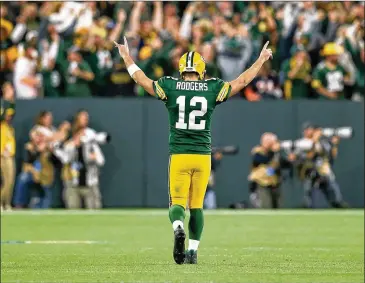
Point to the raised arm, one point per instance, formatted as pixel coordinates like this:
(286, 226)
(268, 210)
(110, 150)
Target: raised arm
(157, 18)
(134, 71)
(246, 77)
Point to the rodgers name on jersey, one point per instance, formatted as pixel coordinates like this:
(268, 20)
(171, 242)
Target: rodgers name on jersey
(190, 105)
(195, 86)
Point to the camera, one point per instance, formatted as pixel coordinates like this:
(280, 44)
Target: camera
(227, 150)
(93, 136)
(302, 144)
(343, 132)
(307, 144)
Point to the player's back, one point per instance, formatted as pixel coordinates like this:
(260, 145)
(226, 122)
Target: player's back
(190, 105)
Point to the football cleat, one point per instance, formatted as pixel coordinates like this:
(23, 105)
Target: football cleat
(179, 245)
(191, 257)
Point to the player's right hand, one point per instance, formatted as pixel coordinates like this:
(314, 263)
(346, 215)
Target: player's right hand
(122, 48)
(266, 53)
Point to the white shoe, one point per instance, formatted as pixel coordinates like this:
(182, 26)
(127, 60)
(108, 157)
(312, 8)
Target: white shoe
(2, 209)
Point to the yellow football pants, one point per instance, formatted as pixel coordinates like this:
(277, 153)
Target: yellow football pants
(188, 179)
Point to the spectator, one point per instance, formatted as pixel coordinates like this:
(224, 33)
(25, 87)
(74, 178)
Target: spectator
(51, 73)
(101, 53)
(82, 158)
(296, 73)
(208, 53)
(233, 49)
(8, 51)
(44, 126)
(7, 100)
(352, 38)
(346, 61)
(78, 75)
(329, 76)
(25, 22)
(7, 146)
(26, 80)
(360, 82)
(121, 82)
(72, 16)
(227, 33)
(37, 173)
(264, 86)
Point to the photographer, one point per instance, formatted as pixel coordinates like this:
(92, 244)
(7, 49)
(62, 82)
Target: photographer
(268, 163)
(36, 178)
(264, 176)
(210, 201)
(82, 158)
(304, 161)
(325, 152)
(315, 154)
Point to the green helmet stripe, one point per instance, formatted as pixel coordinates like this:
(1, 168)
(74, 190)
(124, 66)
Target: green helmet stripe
(187, 59)
(192, 60)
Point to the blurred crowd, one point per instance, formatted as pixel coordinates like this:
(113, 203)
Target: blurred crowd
(65, 49)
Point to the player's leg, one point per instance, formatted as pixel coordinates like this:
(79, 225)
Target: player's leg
(210, 200)
(97, 197)
(179, 184)
(254, 195)
(336, 191)
(73, 197)
(308, 192)
(274, 196)
(199, 183)
(87, 197)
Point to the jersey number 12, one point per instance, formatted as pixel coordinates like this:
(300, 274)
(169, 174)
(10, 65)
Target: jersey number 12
(191, 125)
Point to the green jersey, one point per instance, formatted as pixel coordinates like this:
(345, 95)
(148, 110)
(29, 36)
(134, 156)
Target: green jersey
(6, 108)
(296, 87)
(330, 79)
(76, 86)
(190, 105)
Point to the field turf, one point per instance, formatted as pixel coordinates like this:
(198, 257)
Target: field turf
(136, 246)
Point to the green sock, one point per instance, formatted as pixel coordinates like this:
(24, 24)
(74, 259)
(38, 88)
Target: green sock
(196, 224)
(176, 212)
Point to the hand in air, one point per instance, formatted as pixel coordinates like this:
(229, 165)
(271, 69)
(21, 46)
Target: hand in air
(122, 48)
(266, 53)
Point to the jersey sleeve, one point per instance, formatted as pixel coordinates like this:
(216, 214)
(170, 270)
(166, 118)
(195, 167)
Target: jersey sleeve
(318, 78)
(160, 88)
(346, 74)
(223, 90)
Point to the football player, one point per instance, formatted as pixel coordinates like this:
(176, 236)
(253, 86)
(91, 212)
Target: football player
(190, 101)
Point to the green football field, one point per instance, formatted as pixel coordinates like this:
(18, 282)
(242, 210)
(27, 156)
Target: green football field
(136, 246)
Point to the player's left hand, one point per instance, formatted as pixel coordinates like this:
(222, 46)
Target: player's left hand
(122, 48)
(266, 53)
